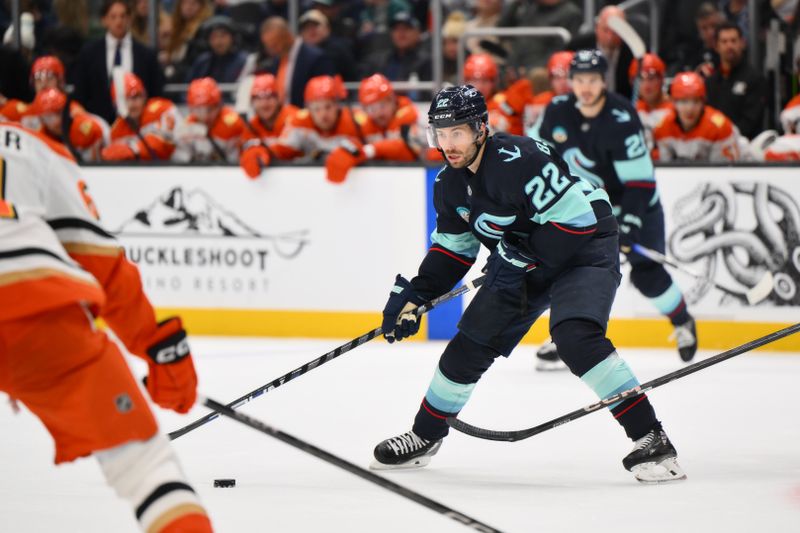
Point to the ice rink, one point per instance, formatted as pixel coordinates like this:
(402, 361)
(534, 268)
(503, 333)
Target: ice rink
(736, 426)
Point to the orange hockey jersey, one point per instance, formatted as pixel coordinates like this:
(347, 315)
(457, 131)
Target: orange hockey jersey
(156, 139)
(401, 140)
(714, 139)
(303, 138)
(790, 116)
(221, 142)
(652, 117)
(13, 110)
(258, 129)
(53, 251)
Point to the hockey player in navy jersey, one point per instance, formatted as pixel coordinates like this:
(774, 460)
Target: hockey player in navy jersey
(553, 242)
(599, 135)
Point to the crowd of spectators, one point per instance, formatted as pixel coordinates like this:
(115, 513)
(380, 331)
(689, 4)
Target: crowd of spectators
(701, 92)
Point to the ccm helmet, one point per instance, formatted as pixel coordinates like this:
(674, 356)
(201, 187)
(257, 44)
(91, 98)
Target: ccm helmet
(453, 106)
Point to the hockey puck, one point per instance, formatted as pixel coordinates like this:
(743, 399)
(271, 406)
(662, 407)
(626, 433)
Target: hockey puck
(225, 483)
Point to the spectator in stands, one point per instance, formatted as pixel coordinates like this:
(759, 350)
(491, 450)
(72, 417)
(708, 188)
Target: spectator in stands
(452, 30)
(147, 132)
(694, 131)
(527, 52)
(85, 134)
(618, 55)
(141, 10)
(223, 61)
(735, 88)
(373, 31)
(92, 71)
(390, 130)
(185, 43)
(270, 119)
(289, 59)
(487, 15)
(213, 132)
(558, 77)
(408, 57)
(343, 16)
(315, 30)
(653, 103)
(73, 14)
(324, 124)
(704, 60)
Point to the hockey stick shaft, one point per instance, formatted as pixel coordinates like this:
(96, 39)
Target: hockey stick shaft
(760, 291)
(328, 457)
(513, 436)
(319, 361)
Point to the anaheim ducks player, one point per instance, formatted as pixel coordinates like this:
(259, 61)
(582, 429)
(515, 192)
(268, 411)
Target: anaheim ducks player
(269, 120)
(59, 270)
(790, 116)
(653, 104)
(212, 131)
(695, 131)
(148, 131)
(558, 73)
(506, 108)
(47, 72)
(86, 133)
(388, 126)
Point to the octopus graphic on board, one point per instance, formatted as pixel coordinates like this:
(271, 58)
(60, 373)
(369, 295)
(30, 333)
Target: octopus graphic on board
(739, 232)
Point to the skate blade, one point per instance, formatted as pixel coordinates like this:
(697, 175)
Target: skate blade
(418, 462)
(664, 471)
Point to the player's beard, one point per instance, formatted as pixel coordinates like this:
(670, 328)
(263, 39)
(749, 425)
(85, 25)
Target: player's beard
(464, 157)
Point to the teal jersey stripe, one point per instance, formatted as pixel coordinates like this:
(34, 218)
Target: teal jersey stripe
(669, 300)
(639, 169)
(610, 376)
(465, 244)
(447, 396)
(573, 205)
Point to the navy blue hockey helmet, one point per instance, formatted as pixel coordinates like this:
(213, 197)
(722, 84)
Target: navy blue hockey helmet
(588, 61)
(453, 106)
(460, 104)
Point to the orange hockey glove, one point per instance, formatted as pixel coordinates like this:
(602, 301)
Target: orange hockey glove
(341, 160)
(118, 152)
(253, 160)
(517, 96)
(171, 380)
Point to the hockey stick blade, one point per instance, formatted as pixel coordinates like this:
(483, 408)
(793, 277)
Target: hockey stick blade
(759, 292)
(328, 457)
(319, 361)
(513, 436)
(632, 40)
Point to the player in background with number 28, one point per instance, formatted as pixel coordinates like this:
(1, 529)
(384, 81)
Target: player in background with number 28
(553, 242)
(601, 138)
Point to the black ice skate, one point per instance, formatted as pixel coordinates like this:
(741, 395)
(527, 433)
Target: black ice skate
(404, 451)
(654, 459)
(686, 335)
(547, 358)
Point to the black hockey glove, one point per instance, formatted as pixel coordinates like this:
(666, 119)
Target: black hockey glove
(629, 228)
(507, 265)
(399, 321)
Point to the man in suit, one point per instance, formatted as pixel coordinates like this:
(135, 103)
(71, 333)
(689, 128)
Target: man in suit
(91, 75)
(292, 61)
(618, 55)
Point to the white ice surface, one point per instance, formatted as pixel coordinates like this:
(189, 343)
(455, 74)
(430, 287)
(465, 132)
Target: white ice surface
(736, 426)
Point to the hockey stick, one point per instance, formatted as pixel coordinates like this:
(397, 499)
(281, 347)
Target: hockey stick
(319, 361)
(513, 436)
(328, 457)
(758, 292)
(632, 40)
